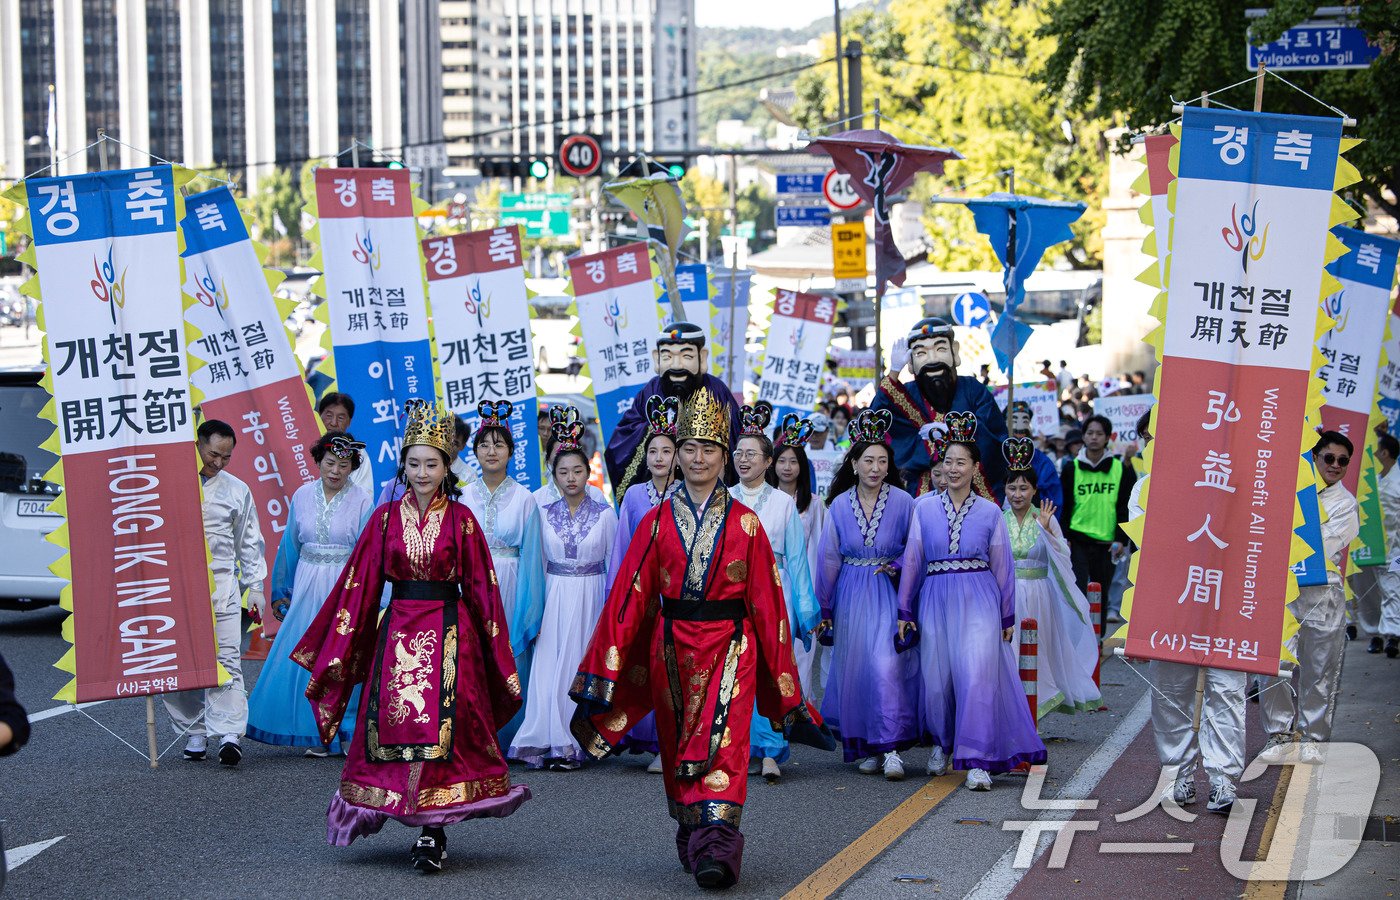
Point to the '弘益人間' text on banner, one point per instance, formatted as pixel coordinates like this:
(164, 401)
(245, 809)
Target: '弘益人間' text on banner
(250, 378)
(376, 302)
(108, 256)
(618, 319)
(481, 324)
(1253, 205)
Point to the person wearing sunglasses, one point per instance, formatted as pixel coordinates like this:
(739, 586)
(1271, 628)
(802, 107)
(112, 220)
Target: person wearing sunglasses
(1321, 614)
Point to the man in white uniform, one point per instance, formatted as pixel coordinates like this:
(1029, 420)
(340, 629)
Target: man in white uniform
(1321, 613)
(236, 552)
(1377, 588)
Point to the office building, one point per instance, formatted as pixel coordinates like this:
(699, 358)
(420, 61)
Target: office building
(236, 83)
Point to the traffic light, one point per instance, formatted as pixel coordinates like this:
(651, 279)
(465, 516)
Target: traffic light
(539, 168)
(677, 170)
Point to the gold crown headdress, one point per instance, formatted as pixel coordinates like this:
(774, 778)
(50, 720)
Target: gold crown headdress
(704, 418)
(429, 425)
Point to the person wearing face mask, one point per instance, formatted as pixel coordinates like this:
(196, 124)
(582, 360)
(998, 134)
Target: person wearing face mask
(717, 640)
(510, 519)
(236, 562)
(958, 593)
(438, 674)
(325, 520)
(872, 691)
(753, 459)
(682, 365)
(1307, 707)
(578, 534)
(919, 409)
(1045, 590)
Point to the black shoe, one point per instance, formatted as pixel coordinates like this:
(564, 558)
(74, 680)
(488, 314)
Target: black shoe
(712, 874)
(428, 854)
(1392, 647)
(230, 754)
(195, 755)
(1375, 646)
(1351, 632)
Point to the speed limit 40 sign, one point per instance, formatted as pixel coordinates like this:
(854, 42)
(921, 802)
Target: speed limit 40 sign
(580, 155)
(836, 187)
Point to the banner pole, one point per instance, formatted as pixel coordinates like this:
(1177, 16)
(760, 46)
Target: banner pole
(1259, 89)
(1200, 699)
(1011, 272)
(151, 730)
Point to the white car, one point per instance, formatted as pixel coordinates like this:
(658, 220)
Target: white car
(556, 346)
(25, 557)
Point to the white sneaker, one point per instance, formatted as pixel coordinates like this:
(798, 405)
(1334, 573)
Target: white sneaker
(196, 748)
(1309, 753)
(230, 754)
(937, 762)
(870, 765)
(1278, 749)
(1222, 796)
(1183, 790)
(894, 767)
(979, 780)
(655, 767)
(771, 772)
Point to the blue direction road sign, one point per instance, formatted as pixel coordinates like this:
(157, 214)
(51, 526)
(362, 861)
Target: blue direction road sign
(1315, 46)
(800, 184)
(971, 310)
(804, 216)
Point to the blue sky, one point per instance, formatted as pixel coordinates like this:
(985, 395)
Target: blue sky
(769, 14)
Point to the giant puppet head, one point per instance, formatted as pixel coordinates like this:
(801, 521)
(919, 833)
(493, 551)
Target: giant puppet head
(933, 360)
(1022, 418)
(680, 359)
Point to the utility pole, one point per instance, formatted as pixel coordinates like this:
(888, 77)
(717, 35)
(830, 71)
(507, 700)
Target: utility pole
(855, 104)
(840, 76)
(1011, 268)
(733, 273)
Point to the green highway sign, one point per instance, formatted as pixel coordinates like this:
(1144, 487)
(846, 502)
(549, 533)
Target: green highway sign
(746, 230)
(541, 214)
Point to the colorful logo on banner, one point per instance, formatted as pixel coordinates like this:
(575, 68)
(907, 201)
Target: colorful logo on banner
(1043, 398)
(141, 588)
(693, 285)
(618, 319)
(376, 304)
(731, 305)
(794, 355)
(1353, 350)
(250, 378)
(481, 322)
(1236, 349)
(1123, 410)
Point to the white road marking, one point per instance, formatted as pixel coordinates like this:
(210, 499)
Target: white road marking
(21, 855)
(60, 710)
(1001, 879)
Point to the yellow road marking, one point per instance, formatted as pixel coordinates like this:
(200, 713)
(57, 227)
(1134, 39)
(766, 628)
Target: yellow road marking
(828, 879)
(1274, 890)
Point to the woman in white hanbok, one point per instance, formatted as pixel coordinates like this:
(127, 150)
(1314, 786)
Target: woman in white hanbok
(792, 474)
(325, 519)
(578, 534)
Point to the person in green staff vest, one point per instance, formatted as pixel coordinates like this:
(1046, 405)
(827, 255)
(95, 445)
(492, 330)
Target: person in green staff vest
(1096, 487)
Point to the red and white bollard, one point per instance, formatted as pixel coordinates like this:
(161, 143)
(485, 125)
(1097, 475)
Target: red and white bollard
(1030, 666)
(1095, 594)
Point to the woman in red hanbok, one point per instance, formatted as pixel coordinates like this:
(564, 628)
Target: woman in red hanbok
(438, 671)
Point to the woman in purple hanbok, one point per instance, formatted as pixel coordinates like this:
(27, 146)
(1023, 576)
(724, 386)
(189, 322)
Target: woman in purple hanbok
(663, 414)
(872, 690)
(958, 592)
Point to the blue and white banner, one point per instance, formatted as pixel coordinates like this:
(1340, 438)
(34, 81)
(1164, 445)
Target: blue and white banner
(376, 302)
(481, 324)
(693, 284)
(730, 361)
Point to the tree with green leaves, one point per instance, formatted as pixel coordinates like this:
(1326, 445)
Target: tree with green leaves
(1131, 59)
(958, 73)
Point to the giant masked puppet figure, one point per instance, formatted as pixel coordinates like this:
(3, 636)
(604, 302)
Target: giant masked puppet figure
(919, 407)
(681, 363)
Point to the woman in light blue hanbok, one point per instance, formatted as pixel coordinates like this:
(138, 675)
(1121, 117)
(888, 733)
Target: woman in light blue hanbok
(777, 511)
(323, 524)
(510, 519)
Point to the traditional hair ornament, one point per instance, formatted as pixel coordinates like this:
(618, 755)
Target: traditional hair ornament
(928, 328)
(429, 425)
(342, 447)
(567, 427)
(704, 418)
(794, 431)
(962, 427)
(663, 415)
(1022, 407)
(682, 333)
(870, 426)
(754, 419)
(1018, 452)
(495, 415)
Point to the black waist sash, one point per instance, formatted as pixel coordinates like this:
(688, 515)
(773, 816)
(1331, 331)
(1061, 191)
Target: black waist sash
(444, 591)
(703, 610)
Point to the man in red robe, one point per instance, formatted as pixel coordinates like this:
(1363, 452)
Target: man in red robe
(695, 629)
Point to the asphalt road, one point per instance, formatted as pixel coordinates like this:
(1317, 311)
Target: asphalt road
(259, 830)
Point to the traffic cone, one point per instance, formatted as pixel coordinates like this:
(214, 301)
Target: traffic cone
(258, 644)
